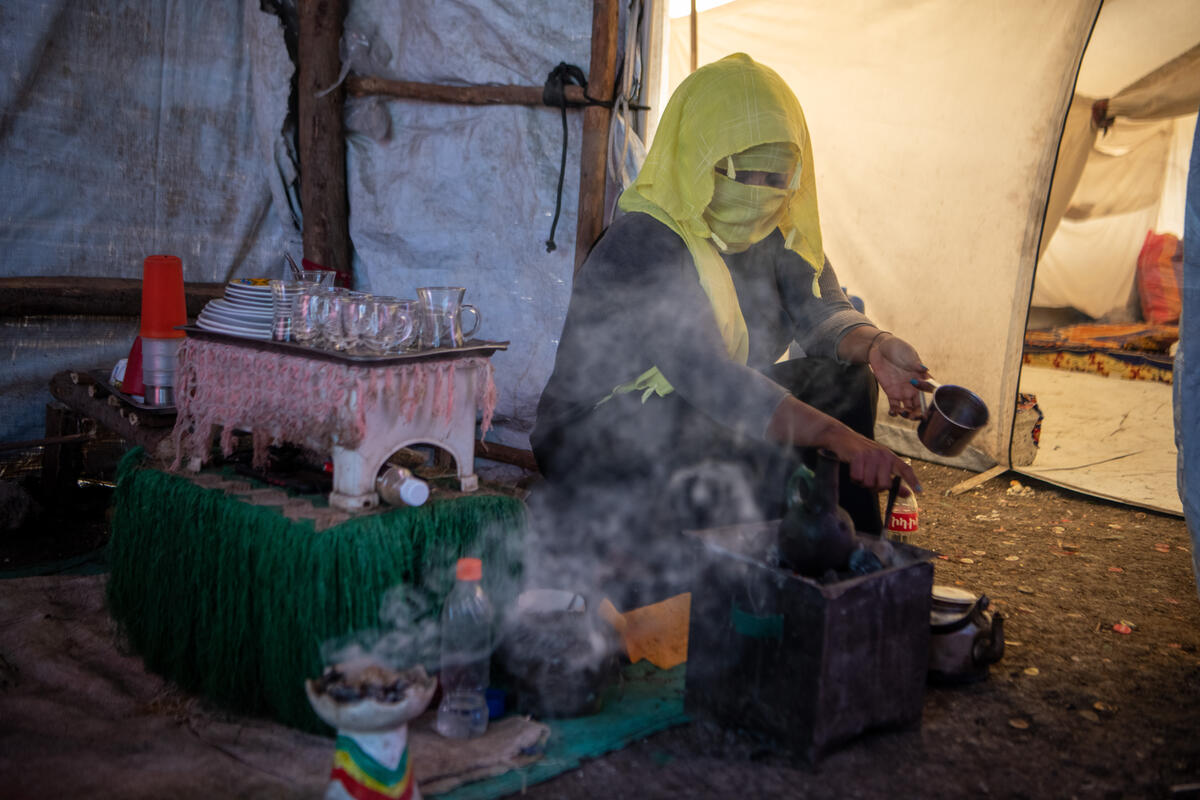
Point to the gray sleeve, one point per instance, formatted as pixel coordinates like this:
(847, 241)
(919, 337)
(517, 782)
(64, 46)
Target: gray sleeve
(819, 323)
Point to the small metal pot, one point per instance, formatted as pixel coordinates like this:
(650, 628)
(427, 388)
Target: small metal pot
(966, 638)
(558, 660)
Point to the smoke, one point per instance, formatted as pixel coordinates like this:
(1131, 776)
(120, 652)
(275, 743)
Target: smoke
(409, 629)
(408, 634)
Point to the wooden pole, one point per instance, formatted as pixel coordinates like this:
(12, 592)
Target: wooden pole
(593, 159)
(323, 200)
(695, 25)
(361, 85)
(89, 296)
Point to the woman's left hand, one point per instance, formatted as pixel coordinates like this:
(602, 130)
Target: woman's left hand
(896, 364)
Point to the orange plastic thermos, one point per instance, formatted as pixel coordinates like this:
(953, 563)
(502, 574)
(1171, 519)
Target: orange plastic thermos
(164, 309)
(164, 306)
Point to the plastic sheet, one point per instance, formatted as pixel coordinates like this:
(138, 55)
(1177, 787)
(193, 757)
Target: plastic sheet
(464, 195)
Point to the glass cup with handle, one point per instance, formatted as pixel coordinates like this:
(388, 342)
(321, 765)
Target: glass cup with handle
(441, 316)
(356, 309)
(388, 323)
(331, 313)
(409, 322)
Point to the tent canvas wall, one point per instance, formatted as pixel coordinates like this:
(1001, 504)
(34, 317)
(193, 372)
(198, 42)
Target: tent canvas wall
(936, 126)
(936, 130)
(131, 129)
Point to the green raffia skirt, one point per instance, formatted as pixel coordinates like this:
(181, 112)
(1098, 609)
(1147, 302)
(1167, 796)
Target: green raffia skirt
(234, 601)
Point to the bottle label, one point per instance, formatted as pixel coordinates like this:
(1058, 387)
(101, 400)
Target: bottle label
(903, 521)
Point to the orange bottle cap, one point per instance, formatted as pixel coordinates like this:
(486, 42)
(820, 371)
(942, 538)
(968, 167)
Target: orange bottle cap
(469, 569)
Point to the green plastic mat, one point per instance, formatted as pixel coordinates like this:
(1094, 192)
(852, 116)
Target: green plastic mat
(646, 700)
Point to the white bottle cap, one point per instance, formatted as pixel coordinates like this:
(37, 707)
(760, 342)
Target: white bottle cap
(414, 491)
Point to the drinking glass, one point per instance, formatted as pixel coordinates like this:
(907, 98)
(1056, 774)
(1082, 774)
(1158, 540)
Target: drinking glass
(390, 323)
(409, 324)
(306, 319)
(359, 316)
(321, 277)
(336, 309)
(282, 295)
(441, 316)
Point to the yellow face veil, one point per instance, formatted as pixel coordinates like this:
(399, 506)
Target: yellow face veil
(722, 110)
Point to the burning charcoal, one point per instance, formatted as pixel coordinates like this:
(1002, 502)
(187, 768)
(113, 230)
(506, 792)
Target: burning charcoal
(864, 562)
(343, 693)
(328, 678)
(371, 682)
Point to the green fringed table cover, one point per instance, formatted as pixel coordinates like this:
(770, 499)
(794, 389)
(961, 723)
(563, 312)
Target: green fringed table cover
(233, 600)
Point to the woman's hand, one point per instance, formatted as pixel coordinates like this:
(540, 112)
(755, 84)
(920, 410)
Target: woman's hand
(896, 365)
(871, 464)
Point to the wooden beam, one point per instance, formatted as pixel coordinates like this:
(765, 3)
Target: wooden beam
(593, 159)
(87, 296)
(976, 480)
(361, 86)
(506, 455)
(323, 200)
(79, 392)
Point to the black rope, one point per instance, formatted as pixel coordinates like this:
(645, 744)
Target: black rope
(562, 170)
(554, 93)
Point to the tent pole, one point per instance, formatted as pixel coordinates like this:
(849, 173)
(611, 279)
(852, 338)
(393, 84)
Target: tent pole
(365, 85)
(326, 230)
(593, 160)
(694, 25)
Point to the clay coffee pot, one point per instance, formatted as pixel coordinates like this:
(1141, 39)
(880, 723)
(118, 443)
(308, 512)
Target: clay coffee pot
(815, 534)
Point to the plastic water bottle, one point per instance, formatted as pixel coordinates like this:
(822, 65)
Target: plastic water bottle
(398, 486)
(466, 654)
(903, 523)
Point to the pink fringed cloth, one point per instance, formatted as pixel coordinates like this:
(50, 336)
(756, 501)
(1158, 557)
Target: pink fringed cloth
(306, 401)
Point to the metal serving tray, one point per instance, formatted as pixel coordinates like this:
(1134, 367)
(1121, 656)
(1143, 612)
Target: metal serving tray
(474, 347)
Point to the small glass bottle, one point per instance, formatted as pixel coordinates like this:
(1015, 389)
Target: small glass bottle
(466, 654)
(399, 487)
(903, 523)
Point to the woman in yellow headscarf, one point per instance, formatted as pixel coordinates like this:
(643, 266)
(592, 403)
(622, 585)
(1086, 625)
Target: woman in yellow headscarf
(665, 385)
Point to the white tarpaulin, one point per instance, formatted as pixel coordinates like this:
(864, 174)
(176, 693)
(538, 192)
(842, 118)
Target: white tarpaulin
(935, 127)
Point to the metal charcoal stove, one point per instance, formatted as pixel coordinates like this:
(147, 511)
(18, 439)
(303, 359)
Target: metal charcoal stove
(810, 664)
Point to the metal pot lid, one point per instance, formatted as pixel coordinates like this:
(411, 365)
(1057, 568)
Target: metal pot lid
(953, 596)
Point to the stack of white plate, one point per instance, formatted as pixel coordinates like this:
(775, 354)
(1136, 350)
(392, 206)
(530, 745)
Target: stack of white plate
(246, 310)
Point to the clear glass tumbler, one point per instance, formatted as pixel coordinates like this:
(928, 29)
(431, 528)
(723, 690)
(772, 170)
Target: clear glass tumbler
(306, 322)
(282, 295)
(321, 277)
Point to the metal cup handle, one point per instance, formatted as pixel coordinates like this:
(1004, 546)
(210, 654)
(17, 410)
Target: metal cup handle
(921, 393)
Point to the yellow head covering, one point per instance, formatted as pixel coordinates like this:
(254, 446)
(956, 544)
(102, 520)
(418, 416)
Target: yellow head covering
(721, 110)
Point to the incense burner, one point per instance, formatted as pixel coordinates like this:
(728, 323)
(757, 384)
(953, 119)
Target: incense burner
(370, 706)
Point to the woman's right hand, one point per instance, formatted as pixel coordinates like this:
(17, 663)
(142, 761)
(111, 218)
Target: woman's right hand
(871, 464)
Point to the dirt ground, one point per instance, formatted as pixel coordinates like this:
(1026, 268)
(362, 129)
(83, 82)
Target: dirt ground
(1075, 708)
